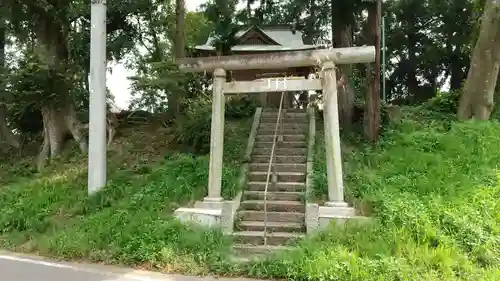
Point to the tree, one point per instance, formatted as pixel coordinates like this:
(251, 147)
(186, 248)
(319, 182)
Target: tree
(478, 92)
(372, 107)
(174, 98)
(6, 133)
(424, 49)
(343, 15)
(179, 28)
(158, 85)
(48, 27)
(455, 15)
(222, 14)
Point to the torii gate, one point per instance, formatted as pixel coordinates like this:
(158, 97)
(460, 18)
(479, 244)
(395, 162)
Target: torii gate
(326, 58)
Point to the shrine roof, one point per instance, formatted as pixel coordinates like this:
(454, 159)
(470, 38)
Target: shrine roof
(272, 38)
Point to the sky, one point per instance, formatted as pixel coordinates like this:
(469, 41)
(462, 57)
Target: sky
(117, 80)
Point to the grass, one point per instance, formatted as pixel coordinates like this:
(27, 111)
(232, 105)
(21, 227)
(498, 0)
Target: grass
(432, 187)
(130, 221)
(433, 190)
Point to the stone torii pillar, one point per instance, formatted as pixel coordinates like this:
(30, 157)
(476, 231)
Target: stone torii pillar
(332, 137)
(214, 198)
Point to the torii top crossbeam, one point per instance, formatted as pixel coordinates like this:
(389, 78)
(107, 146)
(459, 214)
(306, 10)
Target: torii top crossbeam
(351, 55)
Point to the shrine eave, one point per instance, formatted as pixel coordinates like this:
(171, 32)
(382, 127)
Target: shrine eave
(260, 48)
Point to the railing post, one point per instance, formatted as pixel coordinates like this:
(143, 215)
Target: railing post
(217, 137)
(280, 138)
(281, 116)
(271, 169)
(275, 174)
(332, 136)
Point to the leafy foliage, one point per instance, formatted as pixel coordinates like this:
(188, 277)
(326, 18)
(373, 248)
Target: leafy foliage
(444, 102)
(125, 221)
(152, 89)
(31, 85)
(240, 107)
(193, 129)
(222, 14)
(434, 212)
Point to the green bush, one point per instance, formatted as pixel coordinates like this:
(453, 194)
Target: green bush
(128, 222)
(433, 192)
(444, 102)
(240, 107)
(194, 127)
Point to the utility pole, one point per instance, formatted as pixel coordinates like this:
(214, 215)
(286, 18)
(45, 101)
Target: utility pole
(97, 107)
(384, 97)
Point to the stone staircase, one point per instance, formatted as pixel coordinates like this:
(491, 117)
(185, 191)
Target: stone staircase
(286, 199)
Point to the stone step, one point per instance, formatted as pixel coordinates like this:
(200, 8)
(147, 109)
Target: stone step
(280, 151)
(275, 110)
(286, 131)
(292, 120)
(280, 186)
(281, 159)
(282, 176)
(286, 125)
(286, 138)
(271, 226)
(276, 195)
(257, 237)
(284, 144)
(251, 250)
(288, 114)
(274, 206)
(263, 167)
(272, 216)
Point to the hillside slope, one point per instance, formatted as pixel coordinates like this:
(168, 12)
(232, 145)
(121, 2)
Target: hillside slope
(130, 221)
(431, 185)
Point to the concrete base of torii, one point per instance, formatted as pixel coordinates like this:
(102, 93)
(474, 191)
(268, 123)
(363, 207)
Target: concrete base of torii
(318, 218)
(220, 214)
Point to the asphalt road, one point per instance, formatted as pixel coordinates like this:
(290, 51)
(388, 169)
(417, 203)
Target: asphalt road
(14, 267)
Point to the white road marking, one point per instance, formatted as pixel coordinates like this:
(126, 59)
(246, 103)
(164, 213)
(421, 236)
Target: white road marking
(44, 263)
(129, 276)
(112, 273)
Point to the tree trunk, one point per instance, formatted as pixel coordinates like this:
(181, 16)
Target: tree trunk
(483, 109)
(372, 107)
(477, 97)
(310, 30)
(249, 10)
(59, 116)
(456, 66)
(346, 94)
(412, 84)
(342, 36)
(174, 99)
(179, 32)
(6, 135)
